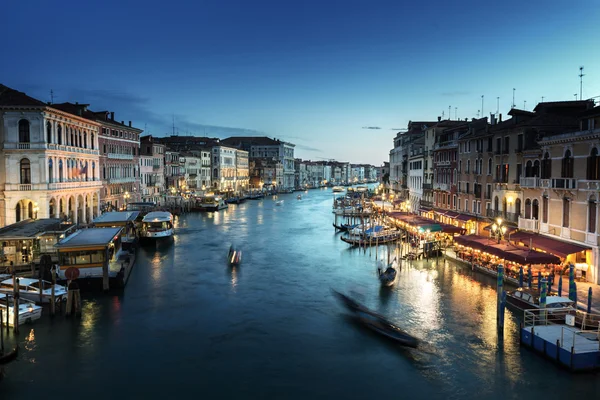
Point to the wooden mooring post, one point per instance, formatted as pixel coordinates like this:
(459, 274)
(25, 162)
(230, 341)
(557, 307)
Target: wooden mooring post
(73, 299)
(501, 300)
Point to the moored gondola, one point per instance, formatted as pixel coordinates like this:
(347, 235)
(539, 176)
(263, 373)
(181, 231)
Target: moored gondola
(10, 356)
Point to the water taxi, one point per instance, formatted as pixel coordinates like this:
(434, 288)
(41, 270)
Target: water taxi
(29, 289)
(157, 225)
(28, 311)
(210, 203)
(337, 189)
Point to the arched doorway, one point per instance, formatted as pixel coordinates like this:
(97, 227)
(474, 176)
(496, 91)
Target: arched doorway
(527, 208)
(80, 210)
(18, 212)
(51, 208)
(518, 207)
(496, 204)
(30, 210)
(70, 209)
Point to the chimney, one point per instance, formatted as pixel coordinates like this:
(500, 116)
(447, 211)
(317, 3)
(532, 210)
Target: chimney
(499, 117)
(439, 118)
(112, 115)
(129, 123)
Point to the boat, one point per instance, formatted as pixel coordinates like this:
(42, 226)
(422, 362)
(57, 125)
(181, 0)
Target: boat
(30, 289)
(373, 236)
(279, 203)
(381, 325)
(377, 322)
(299, 197)
(234, 257)
(388, 277)
(157, 225)
(10, 356)
(527, 299)
(337, 189)
(210, 203)
(28, 311)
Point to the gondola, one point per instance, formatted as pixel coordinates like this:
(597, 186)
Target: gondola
(349, 303)
(10, 356)
(387, 277)
(234, 258)
(381, 325)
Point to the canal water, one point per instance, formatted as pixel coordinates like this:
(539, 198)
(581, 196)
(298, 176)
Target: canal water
(189, 326)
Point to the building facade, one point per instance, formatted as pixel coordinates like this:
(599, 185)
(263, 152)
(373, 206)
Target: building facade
(48, 163)
(152, 171)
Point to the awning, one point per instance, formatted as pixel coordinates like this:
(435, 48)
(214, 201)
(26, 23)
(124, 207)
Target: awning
(465, 217)
(425, 209)
(548, 244)
(452, 214)
(509, 252)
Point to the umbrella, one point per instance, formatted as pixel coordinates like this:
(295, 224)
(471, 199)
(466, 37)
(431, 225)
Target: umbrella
(572, 287)
(544, 285)
(589, 306)
(539, 280)
(521, 276)
(560, 286)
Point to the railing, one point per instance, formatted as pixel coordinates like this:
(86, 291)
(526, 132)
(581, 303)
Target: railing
(119, 156)
(584, 184)
(565, 233)
(122, 180)
(442, 163)
(442, 186)
(425, 203)
(530, 182)
(427, 186)
(528, 224)
(591, 238)
(155, 167)
(563, 183)
(73, 185)
(507, 216)
(24, 187)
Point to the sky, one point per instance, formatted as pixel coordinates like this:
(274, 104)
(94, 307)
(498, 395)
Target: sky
(338, 79)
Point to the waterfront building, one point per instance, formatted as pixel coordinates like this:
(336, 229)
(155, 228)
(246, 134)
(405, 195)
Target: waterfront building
(174, 178)
(224, 168)
(242, 171)
(265, 173)
(49, 163)
(119, 146)
(190, 168)
(416, 164)
(152, 172)
(264, 147)
(444, 168)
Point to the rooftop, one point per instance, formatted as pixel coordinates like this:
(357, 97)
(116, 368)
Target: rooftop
(12, 97)
(31, 228)
(116, 217)
(89, 237)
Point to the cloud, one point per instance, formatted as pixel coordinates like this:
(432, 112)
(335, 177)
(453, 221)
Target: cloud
(308, 148)
(371, 127)
(455, 93)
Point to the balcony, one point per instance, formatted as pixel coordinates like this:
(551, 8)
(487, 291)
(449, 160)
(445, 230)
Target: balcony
(584, 184)
(559, 183)
(122, 180)
(442, 163)
(118, 156)
(74, 185)
(442, 186)
(427, 186)
(530, 182)
(47, 146)
(155, 167)
(507, 216)
(424, 203)
(528, 224)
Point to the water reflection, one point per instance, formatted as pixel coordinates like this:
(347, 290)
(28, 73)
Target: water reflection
(234, 278)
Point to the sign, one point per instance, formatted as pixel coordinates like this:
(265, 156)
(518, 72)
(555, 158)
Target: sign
(72, 273)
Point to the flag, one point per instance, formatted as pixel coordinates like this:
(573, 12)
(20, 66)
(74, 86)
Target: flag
(83, 170)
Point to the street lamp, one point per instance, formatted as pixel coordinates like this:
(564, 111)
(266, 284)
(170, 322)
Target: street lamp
(126, 196)
(498, 229)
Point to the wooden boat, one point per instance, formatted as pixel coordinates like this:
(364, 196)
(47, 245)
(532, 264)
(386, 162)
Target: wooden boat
(350, 304)
(527, 299)
(344, 227)
(234, 258)
(356, 240)
(10, 356)
(388, 277)
(381, 325)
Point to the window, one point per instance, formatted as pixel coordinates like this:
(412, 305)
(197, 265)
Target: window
(592, 215)
(474, 209)
(506, 145)
(546, 167)
(565, 223)
(489, 169)
(468, 166)
(593, 165)
(49, 132)
(567, 165)
(466, 205)
(518, 207)
(24, 131)
(25, 171)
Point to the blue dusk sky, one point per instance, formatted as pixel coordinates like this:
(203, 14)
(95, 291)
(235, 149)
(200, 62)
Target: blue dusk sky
(315, 73)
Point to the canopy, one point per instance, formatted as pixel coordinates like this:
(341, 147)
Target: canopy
(548, 244)
(506, 251)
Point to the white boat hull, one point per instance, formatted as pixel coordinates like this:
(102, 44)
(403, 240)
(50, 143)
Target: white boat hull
(158, 234)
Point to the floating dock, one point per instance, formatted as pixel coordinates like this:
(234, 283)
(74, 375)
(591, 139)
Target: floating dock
(573, 348)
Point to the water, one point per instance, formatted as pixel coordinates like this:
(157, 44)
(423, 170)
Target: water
(187, 325)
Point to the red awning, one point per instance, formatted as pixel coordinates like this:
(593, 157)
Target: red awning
(548, 244)
(509, 252)
(452, 214)
(465, 217)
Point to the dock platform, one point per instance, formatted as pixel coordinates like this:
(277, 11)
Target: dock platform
(575, 349)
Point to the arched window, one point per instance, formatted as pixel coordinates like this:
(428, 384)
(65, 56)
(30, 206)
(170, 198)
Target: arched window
(489, 169)
(50, 173)
(592, 214)
(536, 168)
(24, 131)
(468, 166)
(92, 141)
(518, 207)
(460, 166)
(30, 210)
(51, 208)
(527, 208)
(49, 132)
(216, 173)
(72, 136)
(61, 175)
(529, 169)
(546, 167)
(18, 212)
(535, 205)
(59, 134)
(85, 140)
(567, 165)
(593, 165)
(93, 170)
(25, 171)
(496, 204)
(455, 180)
(504, 208)
(545, 209)
(565, 223)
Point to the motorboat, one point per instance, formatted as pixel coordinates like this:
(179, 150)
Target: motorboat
(388, 276)
(211, 203)
(28, 310)
(299, 197)
(157, 225)
(279, 203)
(527, 299)
(30, 289)
(234, 257)
(337, 189)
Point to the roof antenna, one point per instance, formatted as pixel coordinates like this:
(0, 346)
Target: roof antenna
(513, 104)
(455, 113)
(497, 105)
(581, 75)
(481, 104)
(449, 112)
(51, 96)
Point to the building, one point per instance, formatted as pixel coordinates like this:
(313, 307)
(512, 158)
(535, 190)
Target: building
(265, 173)
(242, 171)
(416, 163)
(264, 147)
(49, 163)
(224, 169)
(152, 171)
(174, 178)
(119, 146)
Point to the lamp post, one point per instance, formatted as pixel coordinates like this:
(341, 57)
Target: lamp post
(126, 197)
(498, 229)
